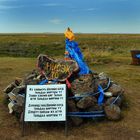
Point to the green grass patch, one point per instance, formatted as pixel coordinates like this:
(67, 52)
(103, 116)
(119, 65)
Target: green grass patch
(30, 45)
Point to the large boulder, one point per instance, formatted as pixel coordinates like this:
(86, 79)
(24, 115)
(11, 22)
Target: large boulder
(82, 84)
(56, 69)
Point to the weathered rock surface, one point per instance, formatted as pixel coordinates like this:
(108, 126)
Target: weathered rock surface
(20, 99)
(19, 90)
(56, 69)
(76, 120)
(17, 109)
(72, 108)
(117, 101)
(113, 112)
(115, 89)
(83, 84)
(10, 87)
(86, 102)
(95, 107)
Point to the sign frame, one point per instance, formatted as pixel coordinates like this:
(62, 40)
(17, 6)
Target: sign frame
(24, 123)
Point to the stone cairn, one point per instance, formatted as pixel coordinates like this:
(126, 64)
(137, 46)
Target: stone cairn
(83, 93)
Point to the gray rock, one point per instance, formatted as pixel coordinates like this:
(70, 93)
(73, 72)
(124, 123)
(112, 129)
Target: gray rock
(19, 89)
(20, 100)
(72, 108)
(115, 89)
(14, 84)
(18, 81)
(112, 99)
(57, 69)
(102, 76)
(31, 76)
(95, 108)
(10, 87)
(76, 120)
(103, 83)
(108, 94)
(32, 82)
(113, 112)
(86, 102)
(18, 109)
(82, 84)
(12, 96)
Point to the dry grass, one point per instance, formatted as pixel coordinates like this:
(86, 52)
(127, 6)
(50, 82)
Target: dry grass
(103, 53)
(119, 69)
(30, 45)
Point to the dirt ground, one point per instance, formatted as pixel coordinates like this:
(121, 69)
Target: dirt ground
(128, 128)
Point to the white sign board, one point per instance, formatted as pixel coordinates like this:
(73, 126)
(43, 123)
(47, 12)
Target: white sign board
(45, 103)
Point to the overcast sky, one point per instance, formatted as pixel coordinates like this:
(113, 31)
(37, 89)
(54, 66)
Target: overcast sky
(86, 16)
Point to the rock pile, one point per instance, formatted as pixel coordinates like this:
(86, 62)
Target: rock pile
(87, 94)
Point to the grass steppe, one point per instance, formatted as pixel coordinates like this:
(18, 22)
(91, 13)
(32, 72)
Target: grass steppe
(103, 53)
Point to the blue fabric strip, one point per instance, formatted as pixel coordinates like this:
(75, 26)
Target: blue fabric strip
(75, 53)
(90, 113)
(138, 56)
(88, 116)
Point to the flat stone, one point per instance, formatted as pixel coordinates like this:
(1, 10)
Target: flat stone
(56, 69)
(19, 90)
(18, 81)
(102, 76)
(31, 76)
(32, 82)
(12, 96)
(10, 87)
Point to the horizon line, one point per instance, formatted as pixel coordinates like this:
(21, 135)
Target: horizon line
(63, 33)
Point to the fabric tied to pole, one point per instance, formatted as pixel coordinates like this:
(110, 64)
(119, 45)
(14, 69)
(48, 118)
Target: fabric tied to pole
(75, 54)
